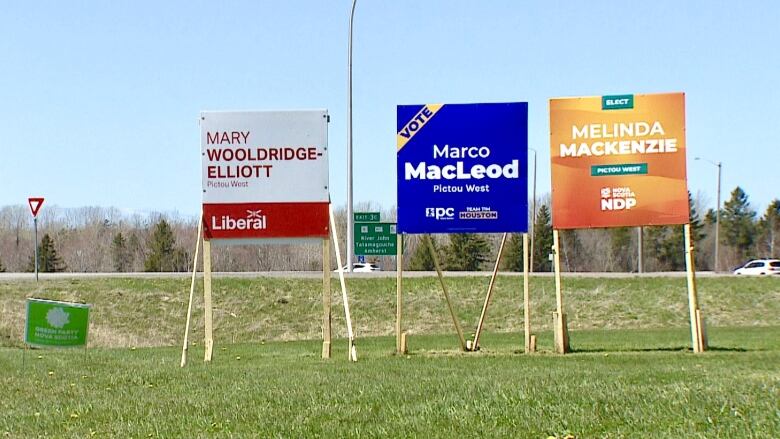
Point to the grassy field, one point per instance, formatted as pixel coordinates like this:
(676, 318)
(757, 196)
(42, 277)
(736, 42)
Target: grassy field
(151, 312)
(631, 375)
(633, 383)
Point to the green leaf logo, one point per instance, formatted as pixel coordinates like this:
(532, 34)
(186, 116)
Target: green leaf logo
(57, 317)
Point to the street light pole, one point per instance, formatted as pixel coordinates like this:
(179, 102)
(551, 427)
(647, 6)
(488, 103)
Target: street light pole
(350, 213)
(716, 265)
(533, 217)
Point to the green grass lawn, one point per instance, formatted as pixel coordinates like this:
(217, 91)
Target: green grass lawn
(631, 373)
(631, 383)
(151, 312)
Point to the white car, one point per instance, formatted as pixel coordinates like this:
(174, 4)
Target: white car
(758, 267)
(359, 267)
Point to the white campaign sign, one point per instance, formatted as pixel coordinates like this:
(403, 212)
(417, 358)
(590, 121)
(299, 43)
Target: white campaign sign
(265, 174)
(264, 156)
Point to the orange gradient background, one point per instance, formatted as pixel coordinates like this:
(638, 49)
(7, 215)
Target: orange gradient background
(661, 194)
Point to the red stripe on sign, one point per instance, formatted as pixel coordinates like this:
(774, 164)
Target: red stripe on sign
(265, 220)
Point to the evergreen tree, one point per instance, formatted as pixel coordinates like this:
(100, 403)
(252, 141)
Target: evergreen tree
(543, 239)
(672, 252)
(697, 225)
(769, 231)
(513, 253)
(2, 268)
(466, 252)
(421, 259)
(120, 253)
(710, 217)
(48, 259)
(654, 243)
(162, 248)
(737, 223)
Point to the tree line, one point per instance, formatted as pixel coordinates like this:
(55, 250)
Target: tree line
(95, 239)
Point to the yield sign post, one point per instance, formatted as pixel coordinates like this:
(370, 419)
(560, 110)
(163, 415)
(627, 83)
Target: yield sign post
(35, 206)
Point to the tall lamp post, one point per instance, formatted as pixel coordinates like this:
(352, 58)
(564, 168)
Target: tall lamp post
(717, 213)
(350, 212)
(533, 216)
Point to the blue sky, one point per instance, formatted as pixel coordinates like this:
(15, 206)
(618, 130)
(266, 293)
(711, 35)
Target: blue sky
(100, 99)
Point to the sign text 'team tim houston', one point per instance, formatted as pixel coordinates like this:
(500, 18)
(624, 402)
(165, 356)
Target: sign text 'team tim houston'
(462, 168)
(265, 174)
(618, 161)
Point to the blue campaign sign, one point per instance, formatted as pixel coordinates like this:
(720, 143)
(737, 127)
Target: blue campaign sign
(462, 168)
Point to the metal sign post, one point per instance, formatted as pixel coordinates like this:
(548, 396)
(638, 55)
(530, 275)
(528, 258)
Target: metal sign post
(35, 206)
(35, 223)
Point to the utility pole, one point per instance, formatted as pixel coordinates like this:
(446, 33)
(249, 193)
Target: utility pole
(350, 207)
(717, 223)
(716, 265)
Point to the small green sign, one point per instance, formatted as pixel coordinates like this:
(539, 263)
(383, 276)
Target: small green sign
(618, 169)
(59, 324)
(617, 102)
(366, 217)
(375, 239)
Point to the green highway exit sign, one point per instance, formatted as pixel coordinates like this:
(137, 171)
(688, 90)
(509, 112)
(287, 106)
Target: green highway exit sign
(375, 239)
(366, 217)
(58, 324)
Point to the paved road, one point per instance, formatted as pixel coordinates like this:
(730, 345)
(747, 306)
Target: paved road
(317, 275)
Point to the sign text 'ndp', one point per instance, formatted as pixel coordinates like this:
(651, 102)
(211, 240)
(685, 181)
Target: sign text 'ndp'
(265, 174)
(462, 168)
(618, 161)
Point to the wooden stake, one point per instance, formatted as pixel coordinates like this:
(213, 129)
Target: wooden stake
(561, 331)
(446, 295)
(702, 329)
(489, 295)
(192, 293)
(352, 351)
(399, 296)
(693, 301)
(209, 339)
(526, 297)
(326, 308)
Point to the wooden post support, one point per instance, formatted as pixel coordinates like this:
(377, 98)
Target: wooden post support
(697, 329)
(192, 293)
(209, 338)
(526, 298)
(400, 346)
(461, 339)
(475, 345)
(560, 327)
(702, 328)
(326, 308)
(352, 350)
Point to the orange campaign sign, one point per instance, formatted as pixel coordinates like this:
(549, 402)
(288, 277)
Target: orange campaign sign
(618, 161)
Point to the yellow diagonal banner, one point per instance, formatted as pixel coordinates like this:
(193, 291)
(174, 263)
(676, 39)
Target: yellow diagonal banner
(416, 123)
